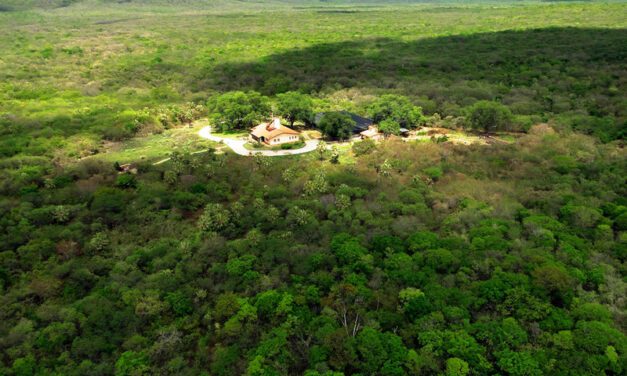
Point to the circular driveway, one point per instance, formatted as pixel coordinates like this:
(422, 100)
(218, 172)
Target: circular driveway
(238, 146)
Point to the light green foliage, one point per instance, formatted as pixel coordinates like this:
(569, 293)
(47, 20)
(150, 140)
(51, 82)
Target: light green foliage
(394, 111)
(98, 242)
(214, 218)
(380, 353)
(519, 364)
(564, 340)
(389, 127)
(61, 213)
(364, 147)
(342, 202)
(385, 169)
(433, 172)
(126, 181)
(456, 367)
(237, 110)
(335, 155)
(25, 366)
(321, 150)
(318, 184)
(295, 106)
(408, 294)
(422, 240)
(131, 363)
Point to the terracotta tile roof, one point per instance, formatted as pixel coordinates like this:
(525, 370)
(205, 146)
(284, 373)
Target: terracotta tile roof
(272, 129)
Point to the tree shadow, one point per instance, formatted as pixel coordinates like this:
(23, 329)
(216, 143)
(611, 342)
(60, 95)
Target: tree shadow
(553, 69)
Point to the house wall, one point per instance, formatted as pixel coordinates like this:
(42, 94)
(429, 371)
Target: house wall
(283, 139)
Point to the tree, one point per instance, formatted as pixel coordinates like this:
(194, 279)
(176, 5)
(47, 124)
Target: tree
(489, 116)
(132, 363)
(380, 353)
(181, 304)
(456, 367)
(555, 279)
(24, 366)
(518, 363)
(321, 150)
(335, 155)
(237, 109)
(595, 336)
(214, 218)
(396, 108)
(389, 127)
(337, 125)
(422, 240)
(295, 106)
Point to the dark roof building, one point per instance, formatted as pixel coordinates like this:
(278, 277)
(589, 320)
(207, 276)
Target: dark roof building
(361, 123)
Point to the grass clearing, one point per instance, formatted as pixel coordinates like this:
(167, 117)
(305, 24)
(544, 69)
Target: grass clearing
(155, 147)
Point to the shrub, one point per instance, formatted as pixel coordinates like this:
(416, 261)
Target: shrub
(364, 147)
(489, 116)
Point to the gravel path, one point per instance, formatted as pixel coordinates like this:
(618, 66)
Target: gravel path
(238, 146)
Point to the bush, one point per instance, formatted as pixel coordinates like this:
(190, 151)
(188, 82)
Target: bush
(489, 116)
(364, 147)
(126, 181)
(292, 145)
(433, 172)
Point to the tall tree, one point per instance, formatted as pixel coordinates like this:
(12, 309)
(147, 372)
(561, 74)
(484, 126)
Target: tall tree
(237, 109)
(396, 108)
(295, 106)
(337, 125)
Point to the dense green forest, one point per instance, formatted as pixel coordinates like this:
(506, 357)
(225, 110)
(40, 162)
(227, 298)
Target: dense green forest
(370, 258)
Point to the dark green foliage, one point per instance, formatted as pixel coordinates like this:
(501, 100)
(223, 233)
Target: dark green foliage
(489, 116)
(126, 181)
(405, 258)
(337, 125)
(237, 270)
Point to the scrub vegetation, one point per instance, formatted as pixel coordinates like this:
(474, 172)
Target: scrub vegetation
(421, 256)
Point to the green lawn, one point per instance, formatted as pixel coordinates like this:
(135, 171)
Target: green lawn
(232, 135)
(155, 147)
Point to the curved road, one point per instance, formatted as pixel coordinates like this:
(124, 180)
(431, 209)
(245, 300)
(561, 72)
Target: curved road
(238, 146)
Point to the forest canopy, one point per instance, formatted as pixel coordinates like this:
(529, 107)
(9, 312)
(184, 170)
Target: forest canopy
(129, 245)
